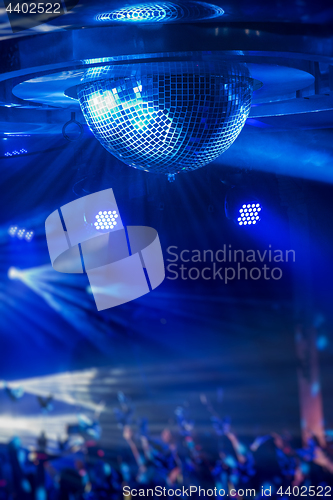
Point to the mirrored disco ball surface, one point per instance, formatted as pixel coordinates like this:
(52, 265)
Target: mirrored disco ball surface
(167, 117)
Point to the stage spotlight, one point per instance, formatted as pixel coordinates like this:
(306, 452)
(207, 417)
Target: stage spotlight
(106, 219)
(14, 273)
(249, 214)
(20, 233)
(29, 235)
(16, 152)
(242, 207)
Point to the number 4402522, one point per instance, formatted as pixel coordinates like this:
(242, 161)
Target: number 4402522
(305, 491)
(34, 8)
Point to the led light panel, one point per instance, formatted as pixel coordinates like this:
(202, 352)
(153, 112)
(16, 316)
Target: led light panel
(249, 214)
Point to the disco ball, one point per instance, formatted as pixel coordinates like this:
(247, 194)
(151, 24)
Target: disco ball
(167, 117)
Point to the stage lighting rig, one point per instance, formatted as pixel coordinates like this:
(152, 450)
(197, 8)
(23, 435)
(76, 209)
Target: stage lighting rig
(12, 231)
(242, 206)
(20, 233)
(106, 219)
(249, 214)
(29, 235)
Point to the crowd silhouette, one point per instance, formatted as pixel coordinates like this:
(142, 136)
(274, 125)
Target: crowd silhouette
(177, 459)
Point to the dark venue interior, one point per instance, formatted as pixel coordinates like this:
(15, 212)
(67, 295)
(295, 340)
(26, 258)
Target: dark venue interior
(210, 123)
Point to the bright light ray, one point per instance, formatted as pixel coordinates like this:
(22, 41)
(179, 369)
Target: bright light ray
(72, 388)
(81, 390)
(77, 308)
(29, 427)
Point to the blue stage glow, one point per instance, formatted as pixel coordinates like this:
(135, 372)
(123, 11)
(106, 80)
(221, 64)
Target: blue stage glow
(162, 12)
(249, 214)
(167, 117)
(322, 342)
(106, 219)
